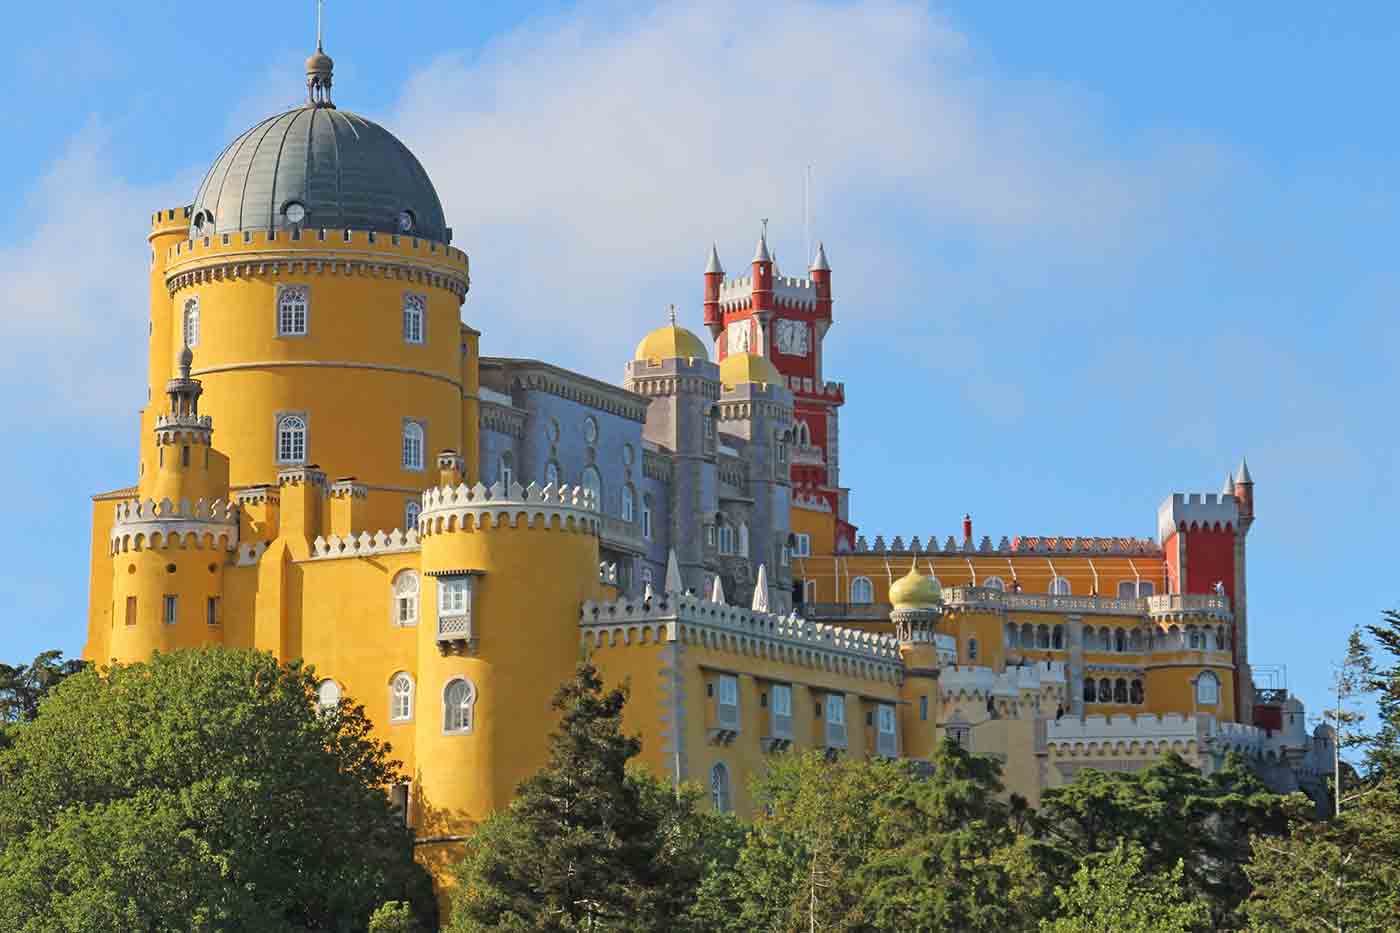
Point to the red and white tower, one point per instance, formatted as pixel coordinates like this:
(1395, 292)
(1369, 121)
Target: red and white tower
(785, 319)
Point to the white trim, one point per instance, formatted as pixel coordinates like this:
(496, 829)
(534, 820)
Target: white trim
(408, 453)
(467, 707)
(296, 322)
(862, 598)
(397, 698)
(304, 430)
(406, 587)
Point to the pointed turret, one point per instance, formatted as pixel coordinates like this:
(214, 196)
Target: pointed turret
(761, 253)
(714, 280)
(1229, 488)
(1244, 492)
(819, 263)
(1242, 475)
(713, 267)
(760, 590)
(717, 592)
(674, 584)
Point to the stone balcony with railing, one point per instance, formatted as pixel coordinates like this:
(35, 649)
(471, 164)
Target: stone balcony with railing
(1170, 606)
(622, 535)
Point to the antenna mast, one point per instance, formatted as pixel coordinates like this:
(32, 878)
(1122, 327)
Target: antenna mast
(807, 210)
(320, 8)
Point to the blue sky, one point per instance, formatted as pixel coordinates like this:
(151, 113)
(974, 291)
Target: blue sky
(1086, 255)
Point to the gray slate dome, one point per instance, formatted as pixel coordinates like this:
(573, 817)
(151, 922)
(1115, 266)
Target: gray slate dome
(341, 170)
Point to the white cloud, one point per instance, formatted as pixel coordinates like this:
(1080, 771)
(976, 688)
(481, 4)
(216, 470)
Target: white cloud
(586, 165)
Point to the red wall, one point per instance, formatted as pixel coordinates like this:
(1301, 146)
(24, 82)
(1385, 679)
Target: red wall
(1210, 557)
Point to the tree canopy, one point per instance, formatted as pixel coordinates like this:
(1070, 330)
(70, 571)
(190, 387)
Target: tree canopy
(198, 790)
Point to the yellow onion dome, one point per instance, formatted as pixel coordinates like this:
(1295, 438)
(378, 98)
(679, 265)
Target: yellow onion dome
(671, 342)
(742, 368)
(916, 591)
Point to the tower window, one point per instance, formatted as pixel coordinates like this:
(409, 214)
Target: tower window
(211, 611)
(719, 787)
(1059, 586)
(291, 439)
(401, 698)
(411, 511)
(646, 517)
(505, 470)
(414, 311)
(327, 695)
(629, 504)
(131, 610)
(293, 306)
(169, 609)
(862, 591)
(192, 322)
(1207, 689)
(412, 445)
(593, 482)
(406, 598)
(458, 698)
(551, 474)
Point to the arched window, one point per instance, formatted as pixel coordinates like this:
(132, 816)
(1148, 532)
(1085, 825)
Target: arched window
(972, 649)
(1135, 693)
(646, 576)
(1091, 694)
(1027, 635)
(629, 503)
(406, 598)
(291, 439)
(1059, 586)
(1120, 640)
(1120, 691)
(1135, 640)
(293, 303)
(505, 470)
(804, 434)
(726, 536)
(862, 591)
(1105, 640)
(719, 787)
(414, 307)
(743, 540)
(1193, 636)
(1105, 690)
(401, 698)
(412, 446)
(551, 474)
(1127, 589)
(1207, 689)
(411, 510)
(1057, 638)
(994, 583)
(327, 694)
(458, 698)
(1013, 635)
(192, 322)
(646, 517)
(593, 482)
(1042, 637)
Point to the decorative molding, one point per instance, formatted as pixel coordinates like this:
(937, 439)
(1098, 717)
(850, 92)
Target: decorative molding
(1022, 545)
(141, 525)
(657, 465)
(233, 265)
(364, 545)
(575, 387)
(502, 419)
(328, 364)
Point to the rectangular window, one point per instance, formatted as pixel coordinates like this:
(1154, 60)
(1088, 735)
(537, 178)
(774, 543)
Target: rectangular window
(414, 310)
(131, 610)
(728, 701)
(710, 535)
(170, 608)
(726, 539)
(923, 708)
(455, 609)
(184, 456)
(836, 721)
(452, 595)
(211, 611)
(886, 737)
(646, 520)
(803, 545)
(292, 305)
(782, 711)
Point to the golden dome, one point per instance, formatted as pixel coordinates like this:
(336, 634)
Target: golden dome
(671, 342)
(915, 591)
(739, 368)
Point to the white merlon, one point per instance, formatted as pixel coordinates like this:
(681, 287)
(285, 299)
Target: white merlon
(983, 681)
(150, 524)
(447, 508)
(364, 545)
(1201, 510)
(760, 590)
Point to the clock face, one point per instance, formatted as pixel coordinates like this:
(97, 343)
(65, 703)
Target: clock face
(295, 212)
(406, 221)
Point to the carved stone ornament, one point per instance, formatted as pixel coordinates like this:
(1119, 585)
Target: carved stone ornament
(793, 337)
(739, 337)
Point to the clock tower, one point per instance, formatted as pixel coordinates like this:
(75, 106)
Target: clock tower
(785, 319)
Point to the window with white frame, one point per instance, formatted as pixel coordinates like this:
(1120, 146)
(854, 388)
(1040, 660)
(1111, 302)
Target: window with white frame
(505, 469)
(728, 701)
(170, 609)
(327, 694)
(862, 591)
(1207, 689)
(406, 598)
(411, 510)
(719, 788)
(192, 322)
(802, 545)
(972, 649)
(994, 583)
(401, 698)
(452, 595)
(886, 736)
(592, 480)
(291, 439)
(1059, 586)
(782, 711)
(629, 503)
(412, 445)
(551, 474)
(836, 720)
(709, 535)
(293, 309)
(414, 310)
(458, 699)
(1146, 588)
(646, 517)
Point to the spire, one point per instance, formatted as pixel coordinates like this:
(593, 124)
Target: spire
(713, 267)
(775, 263)
(674, 584)
(1229, 489)
(717, 592)
(819, 263)
(319, 68)
(760, 590)
(1243, 476)
(761, 253)
(672, 315)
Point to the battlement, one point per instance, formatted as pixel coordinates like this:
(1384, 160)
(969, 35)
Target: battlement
(1192, 511)
(171, 429)
(364, 545)
(1069, 545)
(826, 391)
(448, 508)
(1124, 728)
(673, 617)
(145, 525)
(810, 503)
(789, 292)
(171, 220)
(975, 681)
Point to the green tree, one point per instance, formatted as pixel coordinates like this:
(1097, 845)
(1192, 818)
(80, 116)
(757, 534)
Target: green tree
(1335, 876)
(1114, 891)
(1176, 815)
(201, 790)
(393, 917)
(23, 687)
(1383, 748)
(586, 844)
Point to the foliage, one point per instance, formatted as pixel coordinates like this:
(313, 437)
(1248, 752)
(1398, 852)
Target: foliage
(1383, 748)
(23, 687)
(1175, 815)
(1342, 874)
(1113, 891)
(199, 790)
(586, 844)
(393, 917)
(857, 845)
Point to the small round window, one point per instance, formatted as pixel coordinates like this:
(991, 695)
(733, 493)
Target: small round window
(295, 212)
(407, 221)
(590, 430)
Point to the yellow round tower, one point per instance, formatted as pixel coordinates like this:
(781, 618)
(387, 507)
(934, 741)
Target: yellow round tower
(315, 281)
(916, 606)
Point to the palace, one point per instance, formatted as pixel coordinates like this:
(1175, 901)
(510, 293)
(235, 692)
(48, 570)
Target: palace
(330, 470)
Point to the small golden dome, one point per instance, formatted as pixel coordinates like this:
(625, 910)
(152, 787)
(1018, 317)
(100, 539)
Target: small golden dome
(671, 342)
(916, 591)
(741, 368)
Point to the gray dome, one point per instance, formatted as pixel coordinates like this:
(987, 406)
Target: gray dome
(344, 171)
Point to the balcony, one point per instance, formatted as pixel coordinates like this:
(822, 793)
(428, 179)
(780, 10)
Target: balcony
(622, 535)
(1168, 605)
(1194, 605)
(455, 635)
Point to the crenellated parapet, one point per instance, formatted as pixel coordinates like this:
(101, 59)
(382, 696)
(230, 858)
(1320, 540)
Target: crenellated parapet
(970, 682)
(139, 525)
(365, 544)
(689, 620)
(1164, 609)
(1020, 545)
(183, 428)
(1193, 511)
(452, 508)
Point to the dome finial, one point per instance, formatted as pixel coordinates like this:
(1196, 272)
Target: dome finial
(673, 315)
(319, 68)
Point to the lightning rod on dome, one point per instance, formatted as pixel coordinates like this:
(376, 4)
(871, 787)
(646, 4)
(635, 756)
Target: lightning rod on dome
(672, 311)
(320, 11)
